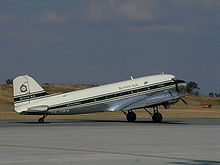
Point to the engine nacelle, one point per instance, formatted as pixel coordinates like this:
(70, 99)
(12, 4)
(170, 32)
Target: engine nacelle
(169, 103)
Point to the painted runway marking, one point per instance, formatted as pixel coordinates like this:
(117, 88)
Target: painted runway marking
(109, 152)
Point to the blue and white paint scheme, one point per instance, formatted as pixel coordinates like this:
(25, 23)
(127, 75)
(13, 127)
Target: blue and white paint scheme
(126, 96)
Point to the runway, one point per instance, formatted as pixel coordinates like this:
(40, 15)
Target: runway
(110, 141)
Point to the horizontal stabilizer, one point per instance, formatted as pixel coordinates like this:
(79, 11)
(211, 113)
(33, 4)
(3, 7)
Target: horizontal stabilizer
(41, 108)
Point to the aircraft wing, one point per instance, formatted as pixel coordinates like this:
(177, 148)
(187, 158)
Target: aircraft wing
(149, 103)
(146, 101)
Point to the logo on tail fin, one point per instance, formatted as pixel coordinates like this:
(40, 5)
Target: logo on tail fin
(23, 88)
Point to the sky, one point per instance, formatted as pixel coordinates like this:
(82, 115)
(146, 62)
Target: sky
(105, 41)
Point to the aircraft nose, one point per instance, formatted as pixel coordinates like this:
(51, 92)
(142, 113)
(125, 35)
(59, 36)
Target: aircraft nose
(180, 81)
(181, 84)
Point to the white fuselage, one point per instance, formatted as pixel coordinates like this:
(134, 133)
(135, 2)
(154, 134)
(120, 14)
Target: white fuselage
(112, 97)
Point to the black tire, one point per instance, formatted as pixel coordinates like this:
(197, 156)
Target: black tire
(157, 118)
(131, 116)
(41, 120)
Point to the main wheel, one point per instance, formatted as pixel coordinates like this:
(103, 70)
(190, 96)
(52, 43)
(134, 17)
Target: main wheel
(131, 116)
(157, 117)
(41, 120)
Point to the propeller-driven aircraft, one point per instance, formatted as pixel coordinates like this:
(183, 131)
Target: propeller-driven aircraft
(126, 96)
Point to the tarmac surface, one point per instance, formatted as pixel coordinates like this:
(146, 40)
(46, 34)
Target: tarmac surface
(110, 141)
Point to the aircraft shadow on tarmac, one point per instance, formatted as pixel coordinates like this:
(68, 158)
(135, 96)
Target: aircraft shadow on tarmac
(197, 162)
(106, 121)
(136, 122)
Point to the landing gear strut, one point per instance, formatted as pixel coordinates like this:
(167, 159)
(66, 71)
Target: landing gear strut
(131, 116)
(41, 120)
(156, 116)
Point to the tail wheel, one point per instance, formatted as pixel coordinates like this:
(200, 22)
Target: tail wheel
(131, 116)
(41, 120)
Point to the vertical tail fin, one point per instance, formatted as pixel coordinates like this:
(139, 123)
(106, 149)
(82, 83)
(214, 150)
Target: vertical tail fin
(25, 90)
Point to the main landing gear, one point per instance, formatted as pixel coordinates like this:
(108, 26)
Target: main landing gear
(156, 115)
(130, 115)
(41, 120)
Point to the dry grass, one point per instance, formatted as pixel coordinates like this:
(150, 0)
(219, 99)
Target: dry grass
(192, 110)
(6, 95)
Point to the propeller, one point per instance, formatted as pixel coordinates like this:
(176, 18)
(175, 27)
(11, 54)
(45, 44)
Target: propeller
(183, 100)
(176, 84)
(177, 88)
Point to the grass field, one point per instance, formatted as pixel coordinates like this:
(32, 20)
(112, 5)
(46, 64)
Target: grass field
(192, 110)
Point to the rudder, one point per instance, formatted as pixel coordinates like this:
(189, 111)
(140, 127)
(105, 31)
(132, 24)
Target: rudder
(25, 90)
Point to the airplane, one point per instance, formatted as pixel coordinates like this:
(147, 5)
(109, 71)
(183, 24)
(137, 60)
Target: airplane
(126, 96)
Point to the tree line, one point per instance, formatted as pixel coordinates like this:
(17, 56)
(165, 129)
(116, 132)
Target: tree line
(191, 87)
(212, 94)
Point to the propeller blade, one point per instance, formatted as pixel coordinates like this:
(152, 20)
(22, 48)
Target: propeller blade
(183, 101)
(176, 84)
